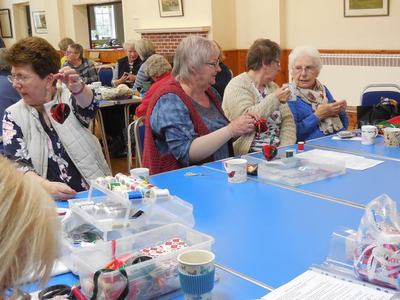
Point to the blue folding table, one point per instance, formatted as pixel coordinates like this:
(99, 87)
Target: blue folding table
(262, 231)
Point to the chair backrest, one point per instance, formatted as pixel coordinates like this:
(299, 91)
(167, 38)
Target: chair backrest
(136, 132)
(372, 93)
(105, 76)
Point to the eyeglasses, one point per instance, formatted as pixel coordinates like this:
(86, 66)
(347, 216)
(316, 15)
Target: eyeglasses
(306, 69)
(21, 79)
(70, 52)
(213, 64)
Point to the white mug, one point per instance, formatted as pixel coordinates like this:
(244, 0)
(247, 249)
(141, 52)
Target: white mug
(368, 134)
(391, 137)
(236, 169)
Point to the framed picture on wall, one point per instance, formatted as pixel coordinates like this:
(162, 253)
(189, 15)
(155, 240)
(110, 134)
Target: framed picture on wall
(170, 8)
(39, 21)
(366, 8)
(5, 23)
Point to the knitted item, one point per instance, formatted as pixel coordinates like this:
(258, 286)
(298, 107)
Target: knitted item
(240, 97)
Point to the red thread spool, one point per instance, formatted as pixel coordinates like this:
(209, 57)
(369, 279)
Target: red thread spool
(300, 146)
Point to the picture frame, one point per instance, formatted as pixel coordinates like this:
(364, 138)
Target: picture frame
(39, 21)
(5, 23)
(363, 8)
(170, 8)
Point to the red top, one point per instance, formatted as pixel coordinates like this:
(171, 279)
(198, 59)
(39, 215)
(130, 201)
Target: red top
(152, 158)
(141, 109)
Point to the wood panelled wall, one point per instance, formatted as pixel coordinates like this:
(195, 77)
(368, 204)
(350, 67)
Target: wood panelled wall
(236, 60)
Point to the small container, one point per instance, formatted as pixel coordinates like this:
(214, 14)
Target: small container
(289, 153)
(300, 146)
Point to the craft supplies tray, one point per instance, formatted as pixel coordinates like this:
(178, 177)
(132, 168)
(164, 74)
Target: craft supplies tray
(107, 213)
(296, 171)
(149, 263)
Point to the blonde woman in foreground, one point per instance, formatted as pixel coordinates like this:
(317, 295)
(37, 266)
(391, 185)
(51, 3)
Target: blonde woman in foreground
(28, 229)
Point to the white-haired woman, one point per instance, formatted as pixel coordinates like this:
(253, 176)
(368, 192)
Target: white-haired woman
(315, 112)
(145, 49)
(127, 67)
(184, 121)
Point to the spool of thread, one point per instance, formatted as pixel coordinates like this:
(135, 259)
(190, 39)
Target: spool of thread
(300, 146)
(154, 194)
(289, 153)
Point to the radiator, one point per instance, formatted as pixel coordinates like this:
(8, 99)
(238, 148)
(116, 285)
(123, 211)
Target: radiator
(346, 75)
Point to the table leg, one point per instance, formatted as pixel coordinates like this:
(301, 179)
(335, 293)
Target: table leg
(104, 137)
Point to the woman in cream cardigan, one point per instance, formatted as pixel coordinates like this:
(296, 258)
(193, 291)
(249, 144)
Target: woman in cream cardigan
(254, 91)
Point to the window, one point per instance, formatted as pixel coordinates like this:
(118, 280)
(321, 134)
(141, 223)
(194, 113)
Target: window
(106, 25)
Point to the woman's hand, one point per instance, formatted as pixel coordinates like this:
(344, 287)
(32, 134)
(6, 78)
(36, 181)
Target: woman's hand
(324, 111)
(283, 94)
(70, 78)
(244, 124)
(59, 190)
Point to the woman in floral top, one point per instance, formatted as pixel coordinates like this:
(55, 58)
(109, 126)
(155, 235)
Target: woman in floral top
(54, 148)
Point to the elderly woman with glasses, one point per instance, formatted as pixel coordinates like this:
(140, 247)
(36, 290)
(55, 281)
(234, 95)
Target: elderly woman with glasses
(315, 111)
(47, 130)
(185, 124)
(254, 91)
(84, 67)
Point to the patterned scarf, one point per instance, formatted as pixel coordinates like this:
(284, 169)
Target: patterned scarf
(274, 121)
(315, 97)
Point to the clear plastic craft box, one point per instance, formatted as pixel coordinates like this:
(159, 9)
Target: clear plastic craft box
(107, 213)
(155, 213)
(296, 171)
(147, 279)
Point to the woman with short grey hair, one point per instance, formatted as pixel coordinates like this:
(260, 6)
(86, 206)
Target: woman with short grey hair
(315, 111)
(145, 49)
(127, 67)
(184, 121)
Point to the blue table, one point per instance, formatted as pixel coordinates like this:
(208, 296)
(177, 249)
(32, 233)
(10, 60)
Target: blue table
(263, 231)
(353, 188)
(377, 150)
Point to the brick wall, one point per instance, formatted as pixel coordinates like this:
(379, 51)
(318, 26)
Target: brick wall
(166, 42)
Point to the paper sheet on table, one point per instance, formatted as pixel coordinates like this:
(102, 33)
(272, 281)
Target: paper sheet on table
(312, 285)
(354, 138)
(354, 162)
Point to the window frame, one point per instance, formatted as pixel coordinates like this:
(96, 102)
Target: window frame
(88, 6)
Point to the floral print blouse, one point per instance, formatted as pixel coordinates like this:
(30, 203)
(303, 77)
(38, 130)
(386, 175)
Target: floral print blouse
(60, 166)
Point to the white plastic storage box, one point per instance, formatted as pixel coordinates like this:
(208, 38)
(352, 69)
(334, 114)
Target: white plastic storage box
(107, 213)
(160, 211)
(147, 279)
(296, 171)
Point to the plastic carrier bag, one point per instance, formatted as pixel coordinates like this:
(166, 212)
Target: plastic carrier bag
(377, 253)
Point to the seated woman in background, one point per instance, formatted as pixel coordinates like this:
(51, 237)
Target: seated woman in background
(184, 122)
(159, 70)
(63, 45)
(84, 67)
(145, 49)
(54, 146)
(29, 227)
(254, 91)
(224, 76)
(127, 67)
(315, 112)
